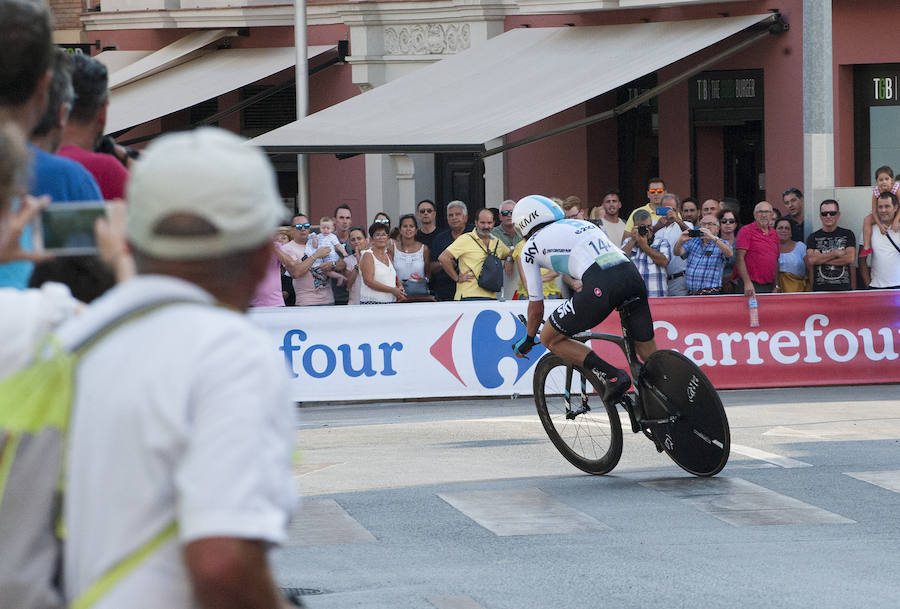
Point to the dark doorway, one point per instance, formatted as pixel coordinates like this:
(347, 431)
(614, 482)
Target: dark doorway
(638, 144)
(743, 148)
(458, 177)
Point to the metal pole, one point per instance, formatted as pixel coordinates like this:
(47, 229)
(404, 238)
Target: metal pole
(302, 83)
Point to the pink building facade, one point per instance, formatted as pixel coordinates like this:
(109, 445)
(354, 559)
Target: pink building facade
(735, 129)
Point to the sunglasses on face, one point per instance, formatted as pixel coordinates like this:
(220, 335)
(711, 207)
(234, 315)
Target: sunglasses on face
(506, 213)
(828, 213)
(302, 226)
(426, 211)
(656, 191)
(728, 221)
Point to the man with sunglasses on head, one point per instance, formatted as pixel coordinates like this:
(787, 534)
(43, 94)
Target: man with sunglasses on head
(506, 232)
(656, 188)
(830, 252)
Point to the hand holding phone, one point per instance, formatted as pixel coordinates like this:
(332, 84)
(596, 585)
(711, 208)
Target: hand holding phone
(662, 211)
(695, 232)
(67, 228)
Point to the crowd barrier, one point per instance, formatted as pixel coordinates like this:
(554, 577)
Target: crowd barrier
(436, 350)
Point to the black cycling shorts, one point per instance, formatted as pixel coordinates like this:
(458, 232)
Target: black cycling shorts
(602, 291)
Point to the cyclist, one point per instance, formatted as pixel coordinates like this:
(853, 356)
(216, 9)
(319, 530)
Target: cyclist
(583, 251)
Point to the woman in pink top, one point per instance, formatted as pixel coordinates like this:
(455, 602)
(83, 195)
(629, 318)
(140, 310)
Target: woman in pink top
(268, 292)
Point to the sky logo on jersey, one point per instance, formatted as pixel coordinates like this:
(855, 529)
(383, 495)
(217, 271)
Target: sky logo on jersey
(485, 348)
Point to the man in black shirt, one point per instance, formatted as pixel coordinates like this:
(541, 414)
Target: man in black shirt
(830, 252)
(443, 287)
(426, 212)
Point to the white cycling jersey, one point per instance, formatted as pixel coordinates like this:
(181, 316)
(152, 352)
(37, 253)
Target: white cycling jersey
(567, 246)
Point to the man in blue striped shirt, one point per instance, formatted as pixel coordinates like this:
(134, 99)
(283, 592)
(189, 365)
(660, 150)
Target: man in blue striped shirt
(706, 257)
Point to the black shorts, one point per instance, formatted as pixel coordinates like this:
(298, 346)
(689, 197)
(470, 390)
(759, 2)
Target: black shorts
(602, 291)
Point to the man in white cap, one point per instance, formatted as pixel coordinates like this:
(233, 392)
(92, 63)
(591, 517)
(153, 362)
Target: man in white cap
(179, 465)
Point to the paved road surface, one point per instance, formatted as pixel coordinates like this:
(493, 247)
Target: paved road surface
(467, 505)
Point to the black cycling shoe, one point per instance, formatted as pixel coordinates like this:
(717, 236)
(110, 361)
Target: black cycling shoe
(615, 386)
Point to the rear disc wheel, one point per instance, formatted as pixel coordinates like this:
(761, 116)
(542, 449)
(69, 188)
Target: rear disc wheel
(698, 439)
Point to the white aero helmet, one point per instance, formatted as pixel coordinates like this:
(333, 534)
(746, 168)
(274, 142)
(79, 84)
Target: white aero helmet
(533, 210)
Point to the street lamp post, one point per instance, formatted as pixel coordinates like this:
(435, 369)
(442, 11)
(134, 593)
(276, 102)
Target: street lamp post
(301, 77)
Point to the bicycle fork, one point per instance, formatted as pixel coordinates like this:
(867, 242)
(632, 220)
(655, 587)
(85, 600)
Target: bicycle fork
(570, 413)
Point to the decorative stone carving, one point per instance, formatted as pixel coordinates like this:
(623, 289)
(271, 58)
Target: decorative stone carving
(426, 39)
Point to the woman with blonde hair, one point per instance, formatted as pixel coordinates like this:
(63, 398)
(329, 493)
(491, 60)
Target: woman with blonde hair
(25, 315)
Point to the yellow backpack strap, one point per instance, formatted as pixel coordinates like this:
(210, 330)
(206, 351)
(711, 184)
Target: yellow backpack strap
(125, 566)
(122, 568)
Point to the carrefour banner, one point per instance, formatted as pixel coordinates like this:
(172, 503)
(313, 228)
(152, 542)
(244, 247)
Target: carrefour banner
(464, 349)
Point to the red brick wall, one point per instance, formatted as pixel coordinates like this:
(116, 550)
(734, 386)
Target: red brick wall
(66, 14)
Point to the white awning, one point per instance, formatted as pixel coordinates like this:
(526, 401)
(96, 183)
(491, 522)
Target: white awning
(183, 49)
(209, 75)
(510, 81)
(116, 60)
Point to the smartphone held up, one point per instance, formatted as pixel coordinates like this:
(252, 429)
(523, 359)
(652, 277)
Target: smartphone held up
(67, 228)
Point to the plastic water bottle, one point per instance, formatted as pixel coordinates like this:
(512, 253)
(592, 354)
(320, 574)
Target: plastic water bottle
(753, 305)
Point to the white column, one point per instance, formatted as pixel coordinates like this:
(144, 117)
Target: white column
(405, 175)
(818, 109)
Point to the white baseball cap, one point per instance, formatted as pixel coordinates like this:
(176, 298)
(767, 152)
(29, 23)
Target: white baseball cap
(212, 174)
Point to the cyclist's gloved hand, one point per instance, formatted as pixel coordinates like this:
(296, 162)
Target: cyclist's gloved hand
(524, 345)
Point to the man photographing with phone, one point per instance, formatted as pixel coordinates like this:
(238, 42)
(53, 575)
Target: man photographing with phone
(706, 255)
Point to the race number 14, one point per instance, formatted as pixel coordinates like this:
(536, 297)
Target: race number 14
(599, 246)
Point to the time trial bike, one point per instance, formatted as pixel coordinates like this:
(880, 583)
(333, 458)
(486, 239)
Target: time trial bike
(673, 404)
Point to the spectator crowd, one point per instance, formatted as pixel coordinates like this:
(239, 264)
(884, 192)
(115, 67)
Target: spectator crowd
(680, 247)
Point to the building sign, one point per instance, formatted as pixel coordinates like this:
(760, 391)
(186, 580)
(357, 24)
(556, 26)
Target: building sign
(727, 89)
(877, 85)
(884, 88)
(77, 48)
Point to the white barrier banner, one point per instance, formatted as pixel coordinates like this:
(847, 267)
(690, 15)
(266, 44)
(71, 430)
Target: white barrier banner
(458, 349)
(401, 350)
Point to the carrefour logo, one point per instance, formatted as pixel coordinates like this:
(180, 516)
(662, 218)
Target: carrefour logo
(485, 349)
(475, 349)
(320, 360)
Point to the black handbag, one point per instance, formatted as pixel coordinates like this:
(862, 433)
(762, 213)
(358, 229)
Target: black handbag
(491, 276)
(415, 289)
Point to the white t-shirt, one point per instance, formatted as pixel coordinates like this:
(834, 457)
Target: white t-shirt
(26, 316)
(179, 415)
(671, 233)
(615, 232)
(885, 261)
(569, 247)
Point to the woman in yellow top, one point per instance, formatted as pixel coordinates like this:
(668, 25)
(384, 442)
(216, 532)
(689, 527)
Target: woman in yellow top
(548, 277)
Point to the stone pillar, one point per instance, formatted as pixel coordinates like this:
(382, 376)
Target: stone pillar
(818, 109)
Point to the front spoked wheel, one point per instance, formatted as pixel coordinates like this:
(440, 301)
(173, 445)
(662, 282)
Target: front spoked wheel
(581, 426)
(690, 422)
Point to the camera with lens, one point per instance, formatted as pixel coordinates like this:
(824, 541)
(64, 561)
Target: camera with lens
(643, 230)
